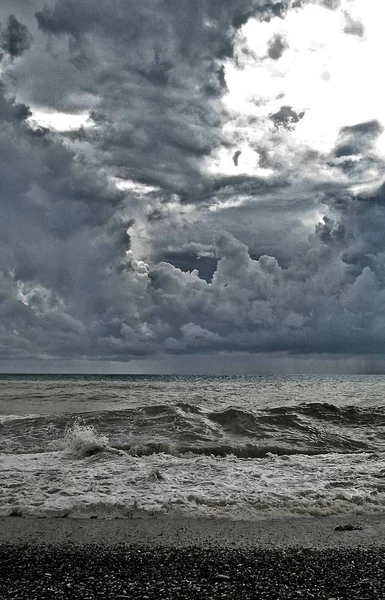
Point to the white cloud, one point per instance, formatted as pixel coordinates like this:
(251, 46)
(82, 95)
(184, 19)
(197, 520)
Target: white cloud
(333, 77)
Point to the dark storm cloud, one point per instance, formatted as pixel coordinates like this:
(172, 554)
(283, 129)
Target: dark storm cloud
(291, 260)
(355, 151)
(162, 63)
(222, 78)
(286, 117)
(264, 10)
(12, 111)
(355, 230)
(236, 156)
(328, 297)
(368, 129)
(179, 25)
(15, 38)
(54, 227)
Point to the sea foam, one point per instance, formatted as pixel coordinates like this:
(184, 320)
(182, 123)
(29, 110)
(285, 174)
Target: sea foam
(83, 440)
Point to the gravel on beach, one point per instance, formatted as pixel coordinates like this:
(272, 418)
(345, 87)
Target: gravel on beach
(74, 571)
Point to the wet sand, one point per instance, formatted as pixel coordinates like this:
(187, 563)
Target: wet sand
(318, 532)
(188, 558)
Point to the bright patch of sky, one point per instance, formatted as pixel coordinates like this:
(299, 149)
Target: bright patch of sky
(59, 121)
(132, 186)
(332, 76)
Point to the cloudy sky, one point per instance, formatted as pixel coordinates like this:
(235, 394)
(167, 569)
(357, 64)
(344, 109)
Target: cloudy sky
(192, 185)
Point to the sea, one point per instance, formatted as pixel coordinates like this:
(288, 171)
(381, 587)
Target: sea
(242, 448)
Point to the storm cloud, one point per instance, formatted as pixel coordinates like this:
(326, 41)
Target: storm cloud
(15, 37)
(286, 117)
(170, 222)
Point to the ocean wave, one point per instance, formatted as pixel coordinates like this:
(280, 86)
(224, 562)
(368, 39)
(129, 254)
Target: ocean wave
(82, 440)
(308, 428)
(243, 420)
(216, 450)
(240, 451)
(13, 418)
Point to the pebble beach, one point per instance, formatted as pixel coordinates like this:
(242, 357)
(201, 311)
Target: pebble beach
(275, 559)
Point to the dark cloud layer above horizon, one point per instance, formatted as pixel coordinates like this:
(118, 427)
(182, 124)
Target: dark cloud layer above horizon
(171, 223)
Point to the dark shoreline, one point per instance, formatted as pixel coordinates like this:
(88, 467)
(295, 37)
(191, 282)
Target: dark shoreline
(47, 572)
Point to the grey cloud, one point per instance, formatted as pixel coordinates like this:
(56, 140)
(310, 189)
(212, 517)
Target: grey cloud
(236, 157)
(331, 4)
(187, 261)
(265, 10)
(276, 47)
(286, 117)
(43, 76)
(312, 304)
(255, 222)
(222, 78)
(355, 230)
(225, 186)
(367, 129)
(168, 21)
(159, 71)
(15, 39)
(216, 82)
(164, 65)
(355, 151)
(353, 27)
(76, 302)
(12, 111)
(57, 204)
(261, 304)
(320, 299)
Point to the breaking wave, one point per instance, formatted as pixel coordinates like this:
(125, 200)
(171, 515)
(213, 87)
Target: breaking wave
(310, 428)
(83, 440)
(223, 450)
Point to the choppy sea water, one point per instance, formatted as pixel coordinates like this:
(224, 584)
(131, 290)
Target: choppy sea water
(235, 447)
